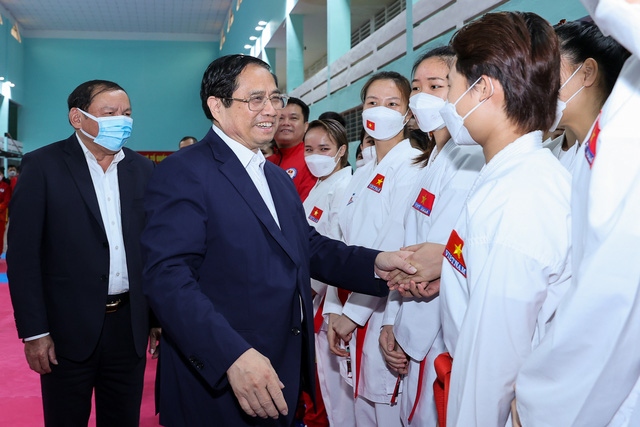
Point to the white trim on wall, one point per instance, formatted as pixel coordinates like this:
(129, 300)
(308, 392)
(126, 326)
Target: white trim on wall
(431, 19)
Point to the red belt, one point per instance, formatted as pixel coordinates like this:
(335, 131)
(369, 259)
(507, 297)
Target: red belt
(441, 386)
(343, 295)
(423, 363)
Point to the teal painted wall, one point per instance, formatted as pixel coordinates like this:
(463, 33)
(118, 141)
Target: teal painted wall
(162, 79)
(338, 29)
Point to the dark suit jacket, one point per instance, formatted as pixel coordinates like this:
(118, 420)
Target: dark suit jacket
(222, 277)
(58, 254)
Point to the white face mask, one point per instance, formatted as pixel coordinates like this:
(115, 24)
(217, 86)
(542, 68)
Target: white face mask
(426, 109)
(320, 165)
(369, 154)
(383, 123)
(455, 123)
(619, 19)
(359, 163)
(562, 105)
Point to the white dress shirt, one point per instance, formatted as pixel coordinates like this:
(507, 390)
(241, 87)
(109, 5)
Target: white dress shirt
(254, 165)
(108, 195)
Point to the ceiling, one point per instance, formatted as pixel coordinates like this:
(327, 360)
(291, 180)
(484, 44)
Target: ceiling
(149, 19)
(179, 20)
(193, 20)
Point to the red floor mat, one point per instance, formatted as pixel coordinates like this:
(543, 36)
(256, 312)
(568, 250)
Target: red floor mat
(20, 403)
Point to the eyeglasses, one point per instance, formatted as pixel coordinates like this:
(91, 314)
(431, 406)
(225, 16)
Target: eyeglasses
(258, 102)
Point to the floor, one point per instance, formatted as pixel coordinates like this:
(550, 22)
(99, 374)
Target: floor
(20, 403)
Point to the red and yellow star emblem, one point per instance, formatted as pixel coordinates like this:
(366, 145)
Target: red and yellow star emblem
(316, 213)
(453, 253)
(376, 183)
(371, 125)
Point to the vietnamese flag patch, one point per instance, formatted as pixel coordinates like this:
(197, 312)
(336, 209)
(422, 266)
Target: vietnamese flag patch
(315, 215)
(453, 253)
(376, 183)
(424, 202)
(592, 143)
(371, 125)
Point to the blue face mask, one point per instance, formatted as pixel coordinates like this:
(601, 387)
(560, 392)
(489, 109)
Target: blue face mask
(113, 131)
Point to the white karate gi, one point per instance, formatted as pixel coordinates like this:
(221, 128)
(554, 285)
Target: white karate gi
(514, 249)
(321, 207)
(585, 371)
(567, 158)
(372, 215)
(437, 200)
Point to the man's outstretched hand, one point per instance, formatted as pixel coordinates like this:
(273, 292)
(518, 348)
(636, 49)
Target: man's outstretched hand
(427, 260)
(388, 262)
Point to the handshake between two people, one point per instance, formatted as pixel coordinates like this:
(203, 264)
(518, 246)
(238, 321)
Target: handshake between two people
(413, 271)
(425, 259)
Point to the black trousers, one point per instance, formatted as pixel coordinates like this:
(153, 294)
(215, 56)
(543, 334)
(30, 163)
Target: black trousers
(114, 371)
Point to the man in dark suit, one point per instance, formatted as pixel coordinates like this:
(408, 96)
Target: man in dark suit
(74, 263)
(228, 259)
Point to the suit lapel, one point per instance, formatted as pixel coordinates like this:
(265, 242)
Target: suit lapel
(233, 170)
(125, 178)
(284, 205)
(77, 164)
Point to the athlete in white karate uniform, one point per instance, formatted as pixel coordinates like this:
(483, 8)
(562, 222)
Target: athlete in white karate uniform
(590, 64)
(325, 144)
(372, 216)
(366, 151)
(586, 371)
(436, 201)
(506, 263)
(562, 147)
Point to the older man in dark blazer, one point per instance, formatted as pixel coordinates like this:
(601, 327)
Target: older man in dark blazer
(229, 254)
(75, 267)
